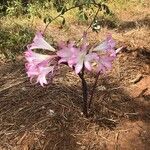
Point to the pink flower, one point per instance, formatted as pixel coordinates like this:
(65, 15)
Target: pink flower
(85, 59)
(40, 73)
(68, 53)
(40, 43)
(106, 45)
(39, 66)
(107, 54)
(104, 63)
(77, 57)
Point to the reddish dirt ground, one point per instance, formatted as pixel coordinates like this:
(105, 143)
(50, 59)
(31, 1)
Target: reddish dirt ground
(33, 117)
(50, 118)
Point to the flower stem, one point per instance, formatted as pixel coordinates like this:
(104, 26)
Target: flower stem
(93, 19)
(93, 90)
(85, 93)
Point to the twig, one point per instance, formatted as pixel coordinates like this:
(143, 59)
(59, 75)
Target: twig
(73, 7)
(90, 25)
(22, 138)
(117, 144)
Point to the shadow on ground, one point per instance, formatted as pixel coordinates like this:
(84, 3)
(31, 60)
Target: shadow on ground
(128, 25)
(124, 25)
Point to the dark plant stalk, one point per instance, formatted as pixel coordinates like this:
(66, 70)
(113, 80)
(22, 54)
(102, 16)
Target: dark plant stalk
(93, 90)
(86, 105)
(85, 93)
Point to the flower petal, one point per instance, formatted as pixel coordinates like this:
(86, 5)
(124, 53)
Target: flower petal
(104, 63)
(119, 49)
(89, 58)
(88, 65)
(40, 43)
(68, 54)
(33, 56)
(107, 44)
(78, 67)
(43, 73)
(39, 66)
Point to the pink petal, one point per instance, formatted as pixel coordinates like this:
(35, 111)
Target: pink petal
(64, 53)
(68, 54)
(108, 44)
(39, 66)
(78, 67)
(40, 43)
(89, 58)
(88, 65)
(72, 61)
(43, 72)
(104, 63)
(119, 49)
(62, 60)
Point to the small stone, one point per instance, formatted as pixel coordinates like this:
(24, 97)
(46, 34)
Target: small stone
(79, 143)
(83, 147)
(51, 112)
(22, 126)
(43, 107)
(81, 113)
(42, 142)
(23, 89)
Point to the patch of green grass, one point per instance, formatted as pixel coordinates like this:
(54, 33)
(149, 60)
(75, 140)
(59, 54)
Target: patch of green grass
(13, 39)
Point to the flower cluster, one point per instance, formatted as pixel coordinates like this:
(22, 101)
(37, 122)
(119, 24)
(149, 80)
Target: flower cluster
(41, 67)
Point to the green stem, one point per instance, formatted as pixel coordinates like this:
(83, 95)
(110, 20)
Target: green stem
(73, 7)
(93, 19)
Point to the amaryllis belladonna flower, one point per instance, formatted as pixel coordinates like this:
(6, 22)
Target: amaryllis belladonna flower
(40, 67)
(106, 45)
(68, 53)
(84, 59)
(106, 53)
(40, 43)
(77, 57)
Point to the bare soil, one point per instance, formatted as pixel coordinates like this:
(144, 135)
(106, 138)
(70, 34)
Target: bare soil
(50, 118)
